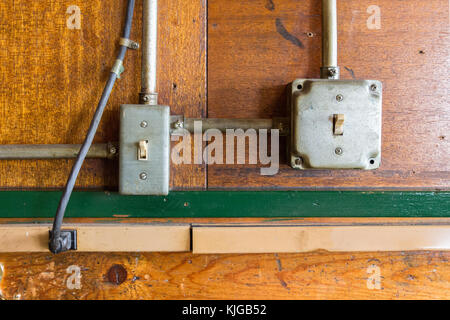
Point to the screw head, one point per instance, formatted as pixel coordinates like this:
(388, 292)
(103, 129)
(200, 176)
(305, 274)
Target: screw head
(298, 161)
(339, 151)
(373, 87)
(339, 97)
(332, 72)
(146, 98)
(143, 176)
(113, 150)
(144, 124)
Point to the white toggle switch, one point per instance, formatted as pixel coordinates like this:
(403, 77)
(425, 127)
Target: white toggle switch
(143, 150)
(339, 124)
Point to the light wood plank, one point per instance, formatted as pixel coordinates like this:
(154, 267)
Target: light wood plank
(100, 238)
(295, 239)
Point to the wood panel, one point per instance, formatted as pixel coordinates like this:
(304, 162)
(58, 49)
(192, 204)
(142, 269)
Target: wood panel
(318, 275)
(52, 78)
(255, 48)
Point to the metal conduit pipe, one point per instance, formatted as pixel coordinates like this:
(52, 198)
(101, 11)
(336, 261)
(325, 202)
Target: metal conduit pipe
(330, 69)
(148, 93)
(56, 151)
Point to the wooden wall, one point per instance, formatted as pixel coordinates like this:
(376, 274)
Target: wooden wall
(52, 78)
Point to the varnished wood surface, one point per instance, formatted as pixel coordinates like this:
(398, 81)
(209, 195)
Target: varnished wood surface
(52, 78)
(255, 48)
(318, 275)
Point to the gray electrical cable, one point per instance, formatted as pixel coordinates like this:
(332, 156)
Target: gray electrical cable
(56, 242)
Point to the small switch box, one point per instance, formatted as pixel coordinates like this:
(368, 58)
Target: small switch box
(144, 150)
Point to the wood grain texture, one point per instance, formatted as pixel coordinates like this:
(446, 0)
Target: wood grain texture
(318, 275)
(52, 78)
(255, 48)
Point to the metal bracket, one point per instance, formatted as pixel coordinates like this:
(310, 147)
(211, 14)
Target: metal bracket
(118, 68)
(133, 45)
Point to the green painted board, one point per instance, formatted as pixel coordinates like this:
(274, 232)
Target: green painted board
(215, 204)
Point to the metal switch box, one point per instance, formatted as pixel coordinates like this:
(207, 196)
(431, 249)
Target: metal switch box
(336, 124)
(144, 150)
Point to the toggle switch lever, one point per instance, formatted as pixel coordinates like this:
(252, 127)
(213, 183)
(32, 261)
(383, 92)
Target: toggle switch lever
(143, 150)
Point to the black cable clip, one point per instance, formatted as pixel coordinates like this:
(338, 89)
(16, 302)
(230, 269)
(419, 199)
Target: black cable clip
(66, 241)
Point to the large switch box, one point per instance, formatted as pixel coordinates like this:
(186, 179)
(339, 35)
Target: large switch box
(335, 124)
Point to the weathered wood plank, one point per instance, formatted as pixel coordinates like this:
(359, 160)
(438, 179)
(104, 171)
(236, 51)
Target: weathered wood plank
(318, 275)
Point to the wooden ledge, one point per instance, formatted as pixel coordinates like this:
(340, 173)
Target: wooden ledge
(294, 239)
(100, 237)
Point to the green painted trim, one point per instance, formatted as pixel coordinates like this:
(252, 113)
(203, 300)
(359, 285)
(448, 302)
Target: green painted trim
(215, 204)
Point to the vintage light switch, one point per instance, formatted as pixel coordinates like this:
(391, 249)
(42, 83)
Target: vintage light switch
(338, 124)
(143, 150)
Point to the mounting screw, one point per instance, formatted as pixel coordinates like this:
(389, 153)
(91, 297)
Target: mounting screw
(339, 151)
(339, 97)
(332, 72)
(178, 124)
(373, 87)
(144, 124)
(112, 150)
(298, 161)
(146, 98)
(143, 176)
